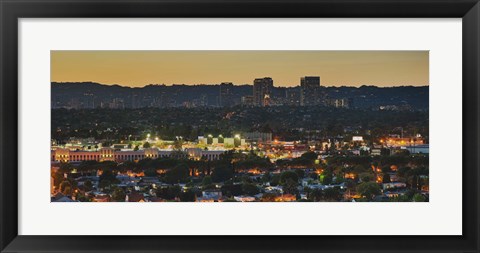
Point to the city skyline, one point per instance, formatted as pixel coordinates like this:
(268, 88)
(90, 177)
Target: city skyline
(252, 126)
(141, 68)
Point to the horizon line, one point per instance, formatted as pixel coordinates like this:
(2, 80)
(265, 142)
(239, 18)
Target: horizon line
(245, 84)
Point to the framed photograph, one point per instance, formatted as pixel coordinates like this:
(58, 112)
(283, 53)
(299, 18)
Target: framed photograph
(193, 126)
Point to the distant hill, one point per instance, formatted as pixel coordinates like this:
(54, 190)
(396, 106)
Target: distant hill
(94, 95)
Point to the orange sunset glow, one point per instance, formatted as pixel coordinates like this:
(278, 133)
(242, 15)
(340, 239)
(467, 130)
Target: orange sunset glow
(336, 68)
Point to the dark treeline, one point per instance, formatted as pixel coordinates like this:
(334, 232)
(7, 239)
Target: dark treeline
(286, 122)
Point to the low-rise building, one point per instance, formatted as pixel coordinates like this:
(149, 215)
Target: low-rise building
(110, 154)
(393, 185)
(417, 149)
(212, 195)
(244, 198)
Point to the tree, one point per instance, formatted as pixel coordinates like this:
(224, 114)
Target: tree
(232, 190)
(418, 198)
(266, 177)
(66, 187)
(350, 184)
(339, 179)
(144, 164)
(58, 178)
(150, 172)
(250, 189)
(118, 195)
(82, 198)
(400, 198)
(285, 176)
(246, 179)
(207, 183)
(332, 194)
(105, 184)
(300, 173)
(207, 180)
(311, 156)
(386, 169)
(88, 186)
(222, 173)
(107, 175)
(359, 169)
(178, 144)
(178, 174)
(403, 171)
(368, 190)
(169, 192)
(65, 167)
(315, 195)
(188, 196)
(87, 166)
(326, 178)
(386, 178)
(128, 165)
(289, 186)
(275, 180)
(146, 145)
(367, 176)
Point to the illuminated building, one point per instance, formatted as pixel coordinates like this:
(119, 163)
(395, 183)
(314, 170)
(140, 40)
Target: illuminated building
(213, 195)
(286, 198)
(262, 91)
(106, 154)
(391, 185)
(222, 141)
(244, 198)
(248, 101)
(101, 198)
(402, 142)
(310, 90)
(338, 102)
(109, 154)
(258, 136)
(292, 96)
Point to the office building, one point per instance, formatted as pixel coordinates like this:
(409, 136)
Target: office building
(262, 91)
(310, 90)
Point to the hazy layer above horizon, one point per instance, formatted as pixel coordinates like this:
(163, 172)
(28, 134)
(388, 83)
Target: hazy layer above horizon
(336, 68)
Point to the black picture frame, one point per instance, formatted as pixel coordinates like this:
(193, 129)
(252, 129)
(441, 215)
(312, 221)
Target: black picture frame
(12, 10)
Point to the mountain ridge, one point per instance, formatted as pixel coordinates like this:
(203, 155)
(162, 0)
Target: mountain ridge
(93, 94)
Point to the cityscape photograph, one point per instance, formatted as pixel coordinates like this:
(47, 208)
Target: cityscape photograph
(239, 126)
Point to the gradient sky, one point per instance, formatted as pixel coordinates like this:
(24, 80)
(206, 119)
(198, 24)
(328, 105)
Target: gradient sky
(335, 68)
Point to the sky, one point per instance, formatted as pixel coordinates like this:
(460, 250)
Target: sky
(335, 68)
